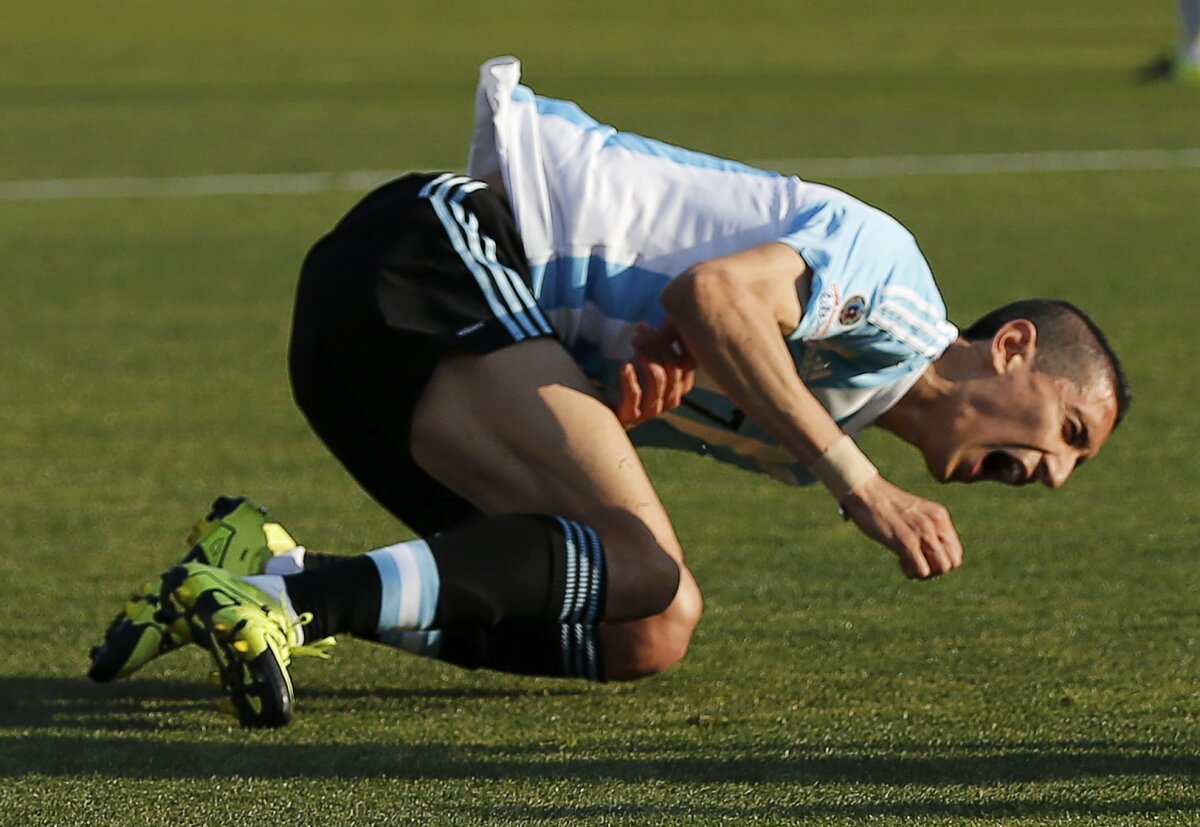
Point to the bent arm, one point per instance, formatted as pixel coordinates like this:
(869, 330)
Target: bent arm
(734, 313)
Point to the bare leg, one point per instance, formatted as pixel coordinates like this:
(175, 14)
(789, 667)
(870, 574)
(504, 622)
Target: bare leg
(522, 430)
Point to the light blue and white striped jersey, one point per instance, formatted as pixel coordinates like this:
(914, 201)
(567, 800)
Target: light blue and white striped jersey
(608, 218)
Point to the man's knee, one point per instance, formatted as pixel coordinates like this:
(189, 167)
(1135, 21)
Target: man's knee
(653, 645)
(644, 580)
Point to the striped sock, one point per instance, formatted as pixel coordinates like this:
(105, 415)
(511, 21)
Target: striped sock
(525, 647)
(427, 643)
(580, 652)
(410, 586)
(519, 567)
(546, 570)
(583, 581)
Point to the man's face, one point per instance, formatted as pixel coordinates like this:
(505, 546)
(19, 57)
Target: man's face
(1022, 426)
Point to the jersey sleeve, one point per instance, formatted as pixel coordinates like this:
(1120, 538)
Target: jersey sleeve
(874, 311)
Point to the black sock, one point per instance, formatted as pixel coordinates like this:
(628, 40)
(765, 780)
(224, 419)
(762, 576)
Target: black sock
(519, 567)
(342, 596)
(525, 647)
(321, 559)
(510, 567)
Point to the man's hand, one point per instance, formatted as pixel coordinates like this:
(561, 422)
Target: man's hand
(657, 378)
(917, 530)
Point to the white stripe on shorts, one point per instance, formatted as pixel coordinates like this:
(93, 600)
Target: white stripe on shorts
(506, 294)
(436, 191)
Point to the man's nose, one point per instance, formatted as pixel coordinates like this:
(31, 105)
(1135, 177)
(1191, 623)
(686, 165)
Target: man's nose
(1053, 470)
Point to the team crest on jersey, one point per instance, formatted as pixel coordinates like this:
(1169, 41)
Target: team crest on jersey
(853, 311)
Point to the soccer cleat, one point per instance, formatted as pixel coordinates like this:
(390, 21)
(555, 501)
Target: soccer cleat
(1187, 72)
(238, 536)
(1177, 68)
(249, 634)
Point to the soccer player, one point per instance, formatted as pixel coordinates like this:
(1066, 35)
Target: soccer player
(1182, 64)
(1187, 52)
(472, 348)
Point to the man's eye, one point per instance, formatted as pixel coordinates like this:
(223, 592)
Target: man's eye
(1073, 433)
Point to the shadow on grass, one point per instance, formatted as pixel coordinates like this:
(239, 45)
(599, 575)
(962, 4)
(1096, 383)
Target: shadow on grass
(925, 809)
(40, 721)
(44, 703)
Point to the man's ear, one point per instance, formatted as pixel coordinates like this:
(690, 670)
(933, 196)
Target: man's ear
(1013, 346)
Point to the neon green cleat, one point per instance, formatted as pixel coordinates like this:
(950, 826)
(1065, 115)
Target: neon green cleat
(249, 634)
(1176, 67)
(238, 536)
(1187, 72)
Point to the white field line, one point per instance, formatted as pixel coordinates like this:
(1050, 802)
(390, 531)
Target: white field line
(172, 187)
(817, 168)
(1107, 160)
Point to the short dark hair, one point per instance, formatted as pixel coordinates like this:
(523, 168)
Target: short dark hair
(1069, 343)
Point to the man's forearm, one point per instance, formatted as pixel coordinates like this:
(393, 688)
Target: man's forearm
(736, 340)
(736, 335)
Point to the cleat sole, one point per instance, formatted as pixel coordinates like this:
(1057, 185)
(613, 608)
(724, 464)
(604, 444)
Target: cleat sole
(249, 685)
(257, 688)
(236, 535)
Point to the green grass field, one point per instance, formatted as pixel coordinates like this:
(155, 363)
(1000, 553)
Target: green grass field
(1051, 681)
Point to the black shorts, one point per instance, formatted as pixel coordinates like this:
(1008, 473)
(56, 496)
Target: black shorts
(426, 265)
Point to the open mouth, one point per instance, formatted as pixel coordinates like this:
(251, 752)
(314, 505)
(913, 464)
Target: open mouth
(1002, 467)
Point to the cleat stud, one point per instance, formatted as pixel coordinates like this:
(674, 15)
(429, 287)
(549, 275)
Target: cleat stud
(220, 629)
(182, 595)
(214, 679)
(241, 646)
